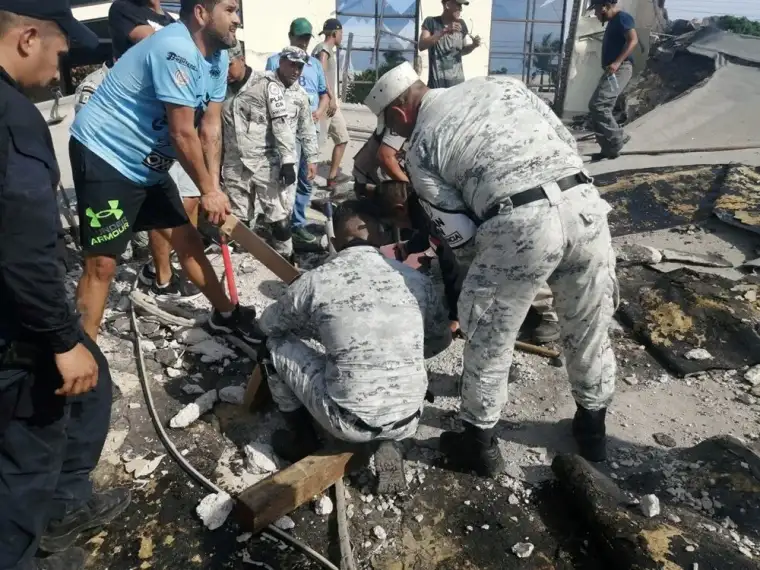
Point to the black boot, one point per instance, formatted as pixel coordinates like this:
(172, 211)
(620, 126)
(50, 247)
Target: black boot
(71, 559)
(389, 465)
(299, 440)
(473, 449)
(591, 434)
(100, 510)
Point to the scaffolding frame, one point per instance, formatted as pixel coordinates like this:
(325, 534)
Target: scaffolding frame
(379, 16)
(528, 52)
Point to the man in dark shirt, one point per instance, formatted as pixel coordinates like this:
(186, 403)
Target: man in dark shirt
(130, 21)
(444, 39)
(55, 387)
(620, 39)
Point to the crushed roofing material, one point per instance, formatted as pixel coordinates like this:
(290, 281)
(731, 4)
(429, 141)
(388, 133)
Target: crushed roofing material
(683, 310)
(659, 198)
(739, 202)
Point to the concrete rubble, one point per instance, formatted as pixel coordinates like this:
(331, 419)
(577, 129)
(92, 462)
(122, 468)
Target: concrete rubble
(214, 509)
(260, 458)
(192, 412)
(232, 395)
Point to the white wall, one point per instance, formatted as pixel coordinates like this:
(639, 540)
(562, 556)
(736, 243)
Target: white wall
(586, 63)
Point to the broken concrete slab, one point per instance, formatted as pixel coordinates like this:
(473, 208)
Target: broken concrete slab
(739, 200)
(232, 395)
(658, 198)
(192, 336)
(627, 539)
(143, 466)
(706, 259)
(260, 458)
(684, 310)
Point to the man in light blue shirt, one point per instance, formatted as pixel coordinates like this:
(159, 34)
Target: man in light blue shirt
(161, 101)
(315, 84)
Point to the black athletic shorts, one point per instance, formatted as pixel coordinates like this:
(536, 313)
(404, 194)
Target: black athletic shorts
(111, 207)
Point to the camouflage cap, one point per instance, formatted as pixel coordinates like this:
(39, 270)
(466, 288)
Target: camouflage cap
(236, 51)
(296, 54)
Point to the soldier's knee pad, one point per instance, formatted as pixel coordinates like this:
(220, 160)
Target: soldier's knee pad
(281, 230)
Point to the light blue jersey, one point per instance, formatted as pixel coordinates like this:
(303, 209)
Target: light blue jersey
(312, 78)
(125, 121)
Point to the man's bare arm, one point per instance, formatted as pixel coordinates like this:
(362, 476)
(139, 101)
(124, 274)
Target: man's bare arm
(188, 146)
(211, 139)
(139, 33)
(387, 156)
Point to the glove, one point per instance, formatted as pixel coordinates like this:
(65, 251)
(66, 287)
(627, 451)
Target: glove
(288, 174)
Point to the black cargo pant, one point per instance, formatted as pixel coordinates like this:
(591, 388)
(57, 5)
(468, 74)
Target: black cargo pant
(48, 447)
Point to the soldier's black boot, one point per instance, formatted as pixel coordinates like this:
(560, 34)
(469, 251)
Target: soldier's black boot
(473, 449)
(101, 509)
(591, 434)
(299, 440)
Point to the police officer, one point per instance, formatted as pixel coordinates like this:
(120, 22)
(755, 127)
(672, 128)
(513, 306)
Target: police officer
(55, 387)
(261, 126)
(503, 177)
(377, 320)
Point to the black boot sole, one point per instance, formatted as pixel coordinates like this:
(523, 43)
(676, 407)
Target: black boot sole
(61, 542)
(389, 464)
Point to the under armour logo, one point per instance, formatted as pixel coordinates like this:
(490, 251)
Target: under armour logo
(95, 217)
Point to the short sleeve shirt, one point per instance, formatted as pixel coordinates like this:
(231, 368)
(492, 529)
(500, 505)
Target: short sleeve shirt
(445, 57)
(125, 121)
(312, 78)
(614, 40)
(124, 16)
(332, 64)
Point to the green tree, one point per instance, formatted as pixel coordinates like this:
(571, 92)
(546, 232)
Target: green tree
(739, 25)
(362, 82)
(546, 57)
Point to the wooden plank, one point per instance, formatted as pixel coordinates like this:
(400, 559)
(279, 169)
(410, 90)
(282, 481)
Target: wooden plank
(258, 248)
(257, 392)
(283, 492)
(534, 349)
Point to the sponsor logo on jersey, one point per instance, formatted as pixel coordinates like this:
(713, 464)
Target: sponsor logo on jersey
(171, 56)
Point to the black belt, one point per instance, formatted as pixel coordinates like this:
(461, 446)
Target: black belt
(537, 193)
(361, 424)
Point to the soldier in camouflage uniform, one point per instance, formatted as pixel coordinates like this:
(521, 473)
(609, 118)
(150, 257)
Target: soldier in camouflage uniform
(377, 320)
(503, 177)
(261, 124)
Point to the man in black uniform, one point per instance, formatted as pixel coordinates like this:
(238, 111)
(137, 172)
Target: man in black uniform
(55, 388)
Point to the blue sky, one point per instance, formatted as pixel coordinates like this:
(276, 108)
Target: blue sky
(688, 9)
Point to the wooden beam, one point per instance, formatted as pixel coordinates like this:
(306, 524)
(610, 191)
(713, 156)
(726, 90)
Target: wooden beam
(257, 392)
(258, 248)
(283, 492)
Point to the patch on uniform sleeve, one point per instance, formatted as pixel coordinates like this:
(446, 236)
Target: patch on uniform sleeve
(277, 107)
(181, 78)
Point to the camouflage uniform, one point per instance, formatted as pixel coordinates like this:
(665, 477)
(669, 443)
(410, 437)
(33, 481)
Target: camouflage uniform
(261, 124)
(474, 146)
(377, 320)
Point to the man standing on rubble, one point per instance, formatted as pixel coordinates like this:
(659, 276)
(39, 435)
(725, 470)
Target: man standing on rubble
(620, 39)
(377, 320)
(55, 386)
(315, 84)
(504, 175)
(127, 137)
(261, 125)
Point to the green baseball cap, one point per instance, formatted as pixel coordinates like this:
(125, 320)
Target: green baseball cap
(301, 27)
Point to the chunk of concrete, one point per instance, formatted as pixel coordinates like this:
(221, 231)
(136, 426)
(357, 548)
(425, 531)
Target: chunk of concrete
(211, 350)
(192, 412)
(260, 458)
(635, 254)
(650, 506)
(232, 395)
(523, 549)
(698, 354)
(214, 509)
(192, 336)
(323, 506)
(752, 376)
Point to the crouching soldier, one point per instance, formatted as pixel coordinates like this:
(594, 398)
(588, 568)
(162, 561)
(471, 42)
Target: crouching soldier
(377, 320)
(261, 124)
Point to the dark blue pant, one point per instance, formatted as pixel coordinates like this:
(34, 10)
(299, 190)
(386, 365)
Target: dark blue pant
(48, 447)
(303, 194)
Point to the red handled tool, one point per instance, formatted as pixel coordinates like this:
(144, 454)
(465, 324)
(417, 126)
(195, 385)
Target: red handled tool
(228, 272)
